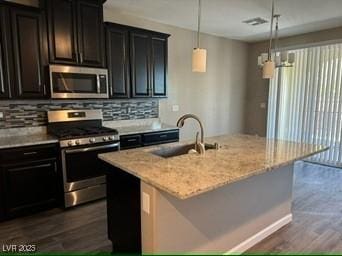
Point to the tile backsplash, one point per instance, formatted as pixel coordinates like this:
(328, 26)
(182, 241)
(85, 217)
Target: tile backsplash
(33, 113)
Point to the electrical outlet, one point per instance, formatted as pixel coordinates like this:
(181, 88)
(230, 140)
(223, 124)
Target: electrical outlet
(262, 105)
(1, 115)
(146, 202)
(175, 108)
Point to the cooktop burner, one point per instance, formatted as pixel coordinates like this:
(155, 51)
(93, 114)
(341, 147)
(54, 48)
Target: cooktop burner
(80, 127)
(77, 132)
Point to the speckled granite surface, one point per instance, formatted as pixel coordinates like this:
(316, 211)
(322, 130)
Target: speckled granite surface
(144, 129)
(139, 126)
(185, 176)
(26, 140)
(30, 136)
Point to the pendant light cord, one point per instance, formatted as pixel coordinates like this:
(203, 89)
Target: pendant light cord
(199, 23)
(276, 41)
(271, 33)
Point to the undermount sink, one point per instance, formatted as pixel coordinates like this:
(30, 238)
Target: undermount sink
(178, 150)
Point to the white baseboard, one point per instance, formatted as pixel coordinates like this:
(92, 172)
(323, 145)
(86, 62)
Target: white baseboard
(253, 240)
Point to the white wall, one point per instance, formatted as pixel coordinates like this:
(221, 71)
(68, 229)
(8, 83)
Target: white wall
(217, 96)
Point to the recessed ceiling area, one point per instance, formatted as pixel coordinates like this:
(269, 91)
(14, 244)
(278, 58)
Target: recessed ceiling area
(225, 17)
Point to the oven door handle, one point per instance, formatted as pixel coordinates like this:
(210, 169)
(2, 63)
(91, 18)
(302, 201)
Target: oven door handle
(80, 150)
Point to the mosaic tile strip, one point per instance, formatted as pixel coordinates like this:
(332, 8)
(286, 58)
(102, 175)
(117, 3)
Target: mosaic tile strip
(31, 113)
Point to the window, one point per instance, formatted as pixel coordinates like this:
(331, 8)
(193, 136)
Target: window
(305, 102)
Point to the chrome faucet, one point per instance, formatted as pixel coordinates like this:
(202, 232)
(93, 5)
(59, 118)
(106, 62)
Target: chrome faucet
(199, 146)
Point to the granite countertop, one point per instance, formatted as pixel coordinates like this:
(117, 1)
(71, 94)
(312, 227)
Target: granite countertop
(185, 176)
(20, 137)
(134, 129)
(27, 140)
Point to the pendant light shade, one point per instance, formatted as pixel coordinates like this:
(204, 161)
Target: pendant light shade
(199, 55)
(199, 60)
(268, 69)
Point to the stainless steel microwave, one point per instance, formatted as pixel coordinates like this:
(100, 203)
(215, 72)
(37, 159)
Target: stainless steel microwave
(69, 82)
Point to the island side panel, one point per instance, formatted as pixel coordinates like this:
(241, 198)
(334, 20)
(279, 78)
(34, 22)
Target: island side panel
(220, 220)
(123, 210)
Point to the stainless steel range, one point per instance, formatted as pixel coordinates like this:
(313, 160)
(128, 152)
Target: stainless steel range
(82, 137)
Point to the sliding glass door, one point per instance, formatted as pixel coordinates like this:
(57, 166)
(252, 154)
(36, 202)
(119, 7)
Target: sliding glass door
(305, 102)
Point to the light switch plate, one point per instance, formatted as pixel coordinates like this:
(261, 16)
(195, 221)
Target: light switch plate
(1, 115)
(146, 202)
(262, 105)
(175, 108)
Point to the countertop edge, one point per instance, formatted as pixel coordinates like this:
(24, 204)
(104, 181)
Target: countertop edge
(28, 144)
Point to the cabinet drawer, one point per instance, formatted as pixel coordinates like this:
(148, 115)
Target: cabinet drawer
(15, 155)
(130, 141)
(160, 137)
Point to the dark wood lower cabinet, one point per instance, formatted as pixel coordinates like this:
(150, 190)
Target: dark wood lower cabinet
(28, 179)
(147, 139)
(29, 187)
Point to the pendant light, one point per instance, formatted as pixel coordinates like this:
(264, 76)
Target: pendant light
(199, 55)
(269, 65)
(270, 61)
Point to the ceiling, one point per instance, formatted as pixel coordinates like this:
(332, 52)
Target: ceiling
(224, 17)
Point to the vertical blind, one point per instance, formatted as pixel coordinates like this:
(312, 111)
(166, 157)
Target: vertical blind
(305, 102)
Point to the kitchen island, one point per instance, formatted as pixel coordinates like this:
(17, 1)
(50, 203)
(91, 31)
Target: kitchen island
(161, 200)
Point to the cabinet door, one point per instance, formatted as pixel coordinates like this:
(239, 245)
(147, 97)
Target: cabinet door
(140, 64)
(4, 75)
(90, 33)
(29, 187)
(159, 66)
(28, 51)
(62, 31)
(117, 62)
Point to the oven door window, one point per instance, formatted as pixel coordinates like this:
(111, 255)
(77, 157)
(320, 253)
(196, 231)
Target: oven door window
(74, 83)
(84, 165)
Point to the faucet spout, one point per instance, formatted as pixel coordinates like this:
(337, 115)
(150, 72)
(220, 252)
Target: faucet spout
(180, 124)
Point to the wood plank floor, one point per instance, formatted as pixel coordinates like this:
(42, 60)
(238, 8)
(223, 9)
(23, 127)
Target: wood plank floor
(316, 226)
(317, 213)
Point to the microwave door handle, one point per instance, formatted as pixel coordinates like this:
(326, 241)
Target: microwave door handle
(98, 84)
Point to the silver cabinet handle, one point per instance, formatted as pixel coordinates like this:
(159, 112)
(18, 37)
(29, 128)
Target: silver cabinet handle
(163, 136)
(81, 57)
(132, 140)
(30, 153)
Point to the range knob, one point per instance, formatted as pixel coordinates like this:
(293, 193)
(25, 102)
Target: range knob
(105, 138)
(112, 137)
(92, 140)
(77, 142)
(69, 143)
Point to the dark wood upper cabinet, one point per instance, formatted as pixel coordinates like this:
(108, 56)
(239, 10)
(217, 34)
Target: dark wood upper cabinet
(140, 64)
(90, 33)
(159, 65)
(75, 32)
(137, 61)
(62, 31)
(117, 49)
(4, 65)
(29, 55)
